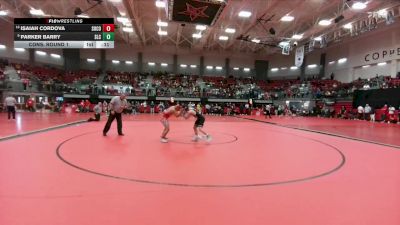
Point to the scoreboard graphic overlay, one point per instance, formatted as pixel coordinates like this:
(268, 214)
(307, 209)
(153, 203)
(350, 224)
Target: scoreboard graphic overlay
(64, 32)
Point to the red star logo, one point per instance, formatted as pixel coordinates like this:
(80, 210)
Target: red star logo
(194, 13)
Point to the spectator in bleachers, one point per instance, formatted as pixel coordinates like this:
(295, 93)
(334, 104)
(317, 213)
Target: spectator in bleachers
(366, 86)
(25, 83)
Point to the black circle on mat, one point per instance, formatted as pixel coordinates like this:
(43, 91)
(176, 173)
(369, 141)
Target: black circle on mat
(336, 168)
(233, 139)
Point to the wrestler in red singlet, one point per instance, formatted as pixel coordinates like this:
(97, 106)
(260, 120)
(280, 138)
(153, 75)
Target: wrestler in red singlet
(173, 110)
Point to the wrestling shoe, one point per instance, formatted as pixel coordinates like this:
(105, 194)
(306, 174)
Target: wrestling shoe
(195, 138)
(164, 140)
(208, 138)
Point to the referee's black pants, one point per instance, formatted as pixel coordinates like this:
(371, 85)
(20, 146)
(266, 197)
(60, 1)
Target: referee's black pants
(11, 110)
(111, 118)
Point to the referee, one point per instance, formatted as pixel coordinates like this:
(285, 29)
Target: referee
(116, 106)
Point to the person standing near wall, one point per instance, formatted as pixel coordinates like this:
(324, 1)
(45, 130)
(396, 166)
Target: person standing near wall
(268, 111)
(105, 106)
(360, 112)
(367, 112)
(152, 107)
(10, 103)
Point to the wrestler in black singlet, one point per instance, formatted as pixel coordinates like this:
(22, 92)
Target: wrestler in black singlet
(200, 120)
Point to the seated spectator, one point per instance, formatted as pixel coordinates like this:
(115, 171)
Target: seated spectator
(367, 112)
(97, 110)
(152, 107)
(30, 105)
(392, 116)
(343, 112)
(360, 112)
(87, 106)
(398, 113)
(385, 114)
(161, 107)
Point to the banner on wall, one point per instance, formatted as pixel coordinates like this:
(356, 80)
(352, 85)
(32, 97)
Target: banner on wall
(299, 56)
(381, 55)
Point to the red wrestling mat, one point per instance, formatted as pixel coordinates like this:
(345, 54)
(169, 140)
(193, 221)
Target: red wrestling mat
(250, 173)
(27, 122)
(376, 132)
